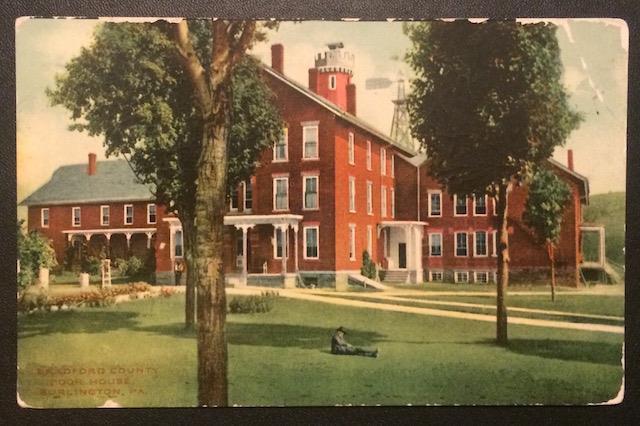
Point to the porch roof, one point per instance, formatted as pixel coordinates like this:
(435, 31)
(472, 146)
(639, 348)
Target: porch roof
(401, 223)
(264, 219)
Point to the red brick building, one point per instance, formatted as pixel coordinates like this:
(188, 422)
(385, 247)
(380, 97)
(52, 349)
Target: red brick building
(331, 188)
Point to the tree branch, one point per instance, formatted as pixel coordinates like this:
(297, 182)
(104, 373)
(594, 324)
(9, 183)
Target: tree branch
(191, 64)
(240, 45)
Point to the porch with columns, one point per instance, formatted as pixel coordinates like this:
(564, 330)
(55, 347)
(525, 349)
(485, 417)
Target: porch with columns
(108, 233)
(403, 247)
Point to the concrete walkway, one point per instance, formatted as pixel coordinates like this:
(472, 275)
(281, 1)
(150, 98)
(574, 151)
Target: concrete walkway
(306, 295)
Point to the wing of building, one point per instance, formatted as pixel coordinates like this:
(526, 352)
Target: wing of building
(330, 189)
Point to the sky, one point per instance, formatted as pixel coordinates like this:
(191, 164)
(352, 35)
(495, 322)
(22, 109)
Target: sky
(593, 52)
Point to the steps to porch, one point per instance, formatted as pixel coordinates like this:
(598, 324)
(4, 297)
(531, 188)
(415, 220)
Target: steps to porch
(394, 275)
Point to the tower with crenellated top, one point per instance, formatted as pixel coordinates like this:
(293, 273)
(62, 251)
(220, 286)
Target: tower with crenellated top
(331, 77)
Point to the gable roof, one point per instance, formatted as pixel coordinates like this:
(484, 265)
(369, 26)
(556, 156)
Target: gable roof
(584, 190)
(335, 109)
(113, 181)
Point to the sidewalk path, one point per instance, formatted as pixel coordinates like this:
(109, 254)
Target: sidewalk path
(306, 295)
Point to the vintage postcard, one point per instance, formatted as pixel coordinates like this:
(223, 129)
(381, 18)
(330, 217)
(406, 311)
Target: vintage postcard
(264, 213)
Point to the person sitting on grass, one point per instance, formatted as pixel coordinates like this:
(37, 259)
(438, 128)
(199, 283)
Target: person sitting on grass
(339, 346)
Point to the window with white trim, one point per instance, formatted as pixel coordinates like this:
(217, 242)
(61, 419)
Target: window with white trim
(460, 205)
(332, 82)
(436, 276)
(383, 201)
(368, 155)
(280, 193)
(151, 214)
(128, 214)
(393, 165)
(435, 203)
(383, 161)
(461, 276)
(105, 212)
(281, 147)
(177, 243)
(479, 205)
(279, 246)
(75, 216)
(481, 277)
(435, 244)
(352, 149)
(310, 192)
(247, 188)
(352, 194)
(480, 244)
(369, 198)
(352, 242)
(495, 244)
(233, 200)
(310, 142)
(461, 246)
(44, 217)
(370, 240)
(393, 202)
(311, 242)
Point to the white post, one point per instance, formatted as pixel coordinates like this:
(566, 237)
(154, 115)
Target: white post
(285, 245)
(149, 235)
(408, 236)
(128, 235)
(243, 280)
(295, 246)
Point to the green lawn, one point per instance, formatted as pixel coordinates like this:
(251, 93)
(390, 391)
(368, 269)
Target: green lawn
(282, 358)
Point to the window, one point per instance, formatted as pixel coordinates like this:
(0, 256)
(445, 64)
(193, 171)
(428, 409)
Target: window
(383, 201)
(44, 218)
(480, 246)
(461, 276)
(369, 198)
(281, 147)
(435, 276)
(461, 244)
(279, 248)
(368, 155)
(435, 203)
(369, 240)
(495, 244)
(104, 215)
(281, 193)
(383, 161)
(393, 202)
(495, 212)
(352, 149)
(481, 277)
(479, 205)
(311, 242)
(393, 165)
(75, 216)
(233, 200)
(435, 244)
(177, 243)
(310, 142)
(128, 214)
(248, 195)
(332, 82)
(310, 189)
(352, 194)
(352, 241)
(151, 214)
(460, 203)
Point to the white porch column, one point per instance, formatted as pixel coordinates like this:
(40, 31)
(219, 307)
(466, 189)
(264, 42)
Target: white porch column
(128, 235)
(418, 252)
(149, 235)
(295, 245)
(245, 230)
(283, 231)
(408, 237)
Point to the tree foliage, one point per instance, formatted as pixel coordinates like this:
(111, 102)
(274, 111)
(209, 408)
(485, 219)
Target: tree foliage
(544, 208)
(34, 252)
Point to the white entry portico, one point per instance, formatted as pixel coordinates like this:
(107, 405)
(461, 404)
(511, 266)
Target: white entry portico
(402, 242)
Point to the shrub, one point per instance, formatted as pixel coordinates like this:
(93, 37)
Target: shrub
(34, 252)
(33, 298)
(91, 265)
(368, 268)
(130, 268)
(252, 304)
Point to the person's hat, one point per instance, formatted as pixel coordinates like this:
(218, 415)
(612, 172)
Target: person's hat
(341, 329)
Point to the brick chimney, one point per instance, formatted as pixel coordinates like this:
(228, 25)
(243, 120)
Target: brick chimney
(313, 80)
(570, 159)
(91, 166)
(351, 99)
(277, 58)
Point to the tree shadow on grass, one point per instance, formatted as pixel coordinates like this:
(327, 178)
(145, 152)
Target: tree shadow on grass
(274, 335)
(43, 323)
(569, 350)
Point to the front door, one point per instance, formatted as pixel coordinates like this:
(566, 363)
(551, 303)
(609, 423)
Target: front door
(402, 255)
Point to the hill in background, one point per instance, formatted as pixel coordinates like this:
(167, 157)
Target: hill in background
(609, 210)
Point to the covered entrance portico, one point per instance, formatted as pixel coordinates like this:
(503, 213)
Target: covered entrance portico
(402, 243)
(282, 222)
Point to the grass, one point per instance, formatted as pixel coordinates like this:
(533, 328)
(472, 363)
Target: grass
(282, 358)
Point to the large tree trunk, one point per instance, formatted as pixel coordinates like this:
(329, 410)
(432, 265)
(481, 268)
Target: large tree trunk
(552, 264)
(211, 301)
(503, 265)
(190, 253)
